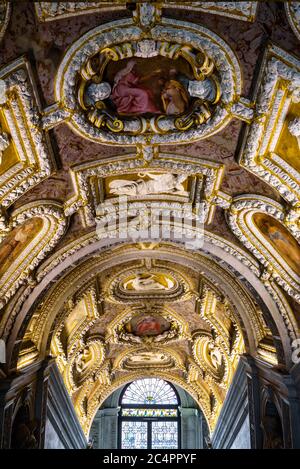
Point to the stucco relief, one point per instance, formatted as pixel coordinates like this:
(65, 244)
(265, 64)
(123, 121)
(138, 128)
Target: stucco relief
(260, 223)
(49, 11)
(20, 113)
(192, 82)
(270, 149)
(169, 180)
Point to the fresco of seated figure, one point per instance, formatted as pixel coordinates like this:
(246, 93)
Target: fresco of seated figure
(16, 241)
(280, 239)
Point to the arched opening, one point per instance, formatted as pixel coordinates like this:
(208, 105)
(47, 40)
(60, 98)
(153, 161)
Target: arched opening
(150, 250)
(149, 413)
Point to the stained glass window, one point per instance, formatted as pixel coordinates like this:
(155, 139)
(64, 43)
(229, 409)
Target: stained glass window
(149, 416)
(150, 391)
(149, 412)
(134, 435)
(164, 435)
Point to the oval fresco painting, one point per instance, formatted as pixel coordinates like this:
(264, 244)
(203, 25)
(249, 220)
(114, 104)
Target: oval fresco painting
(280, 239)
(143, 86)
(147, 325)
(147, 281)
(17, 240)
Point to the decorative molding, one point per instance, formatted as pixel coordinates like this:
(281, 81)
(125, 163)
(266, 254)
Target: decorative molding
(115, 291)
(245, 11)
(5, 12)
(116, 333)
(100, 392)
(52, 230)
(240, 220)
(49, 11)
(174, 359)
(204, 177)
(29, 154)
(292, 10)
(88, 240)
(277, 89)
(169, 38)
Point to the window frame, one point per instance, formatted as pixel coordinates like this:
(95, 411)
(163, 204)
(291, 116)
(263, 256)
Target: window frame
(149, 420)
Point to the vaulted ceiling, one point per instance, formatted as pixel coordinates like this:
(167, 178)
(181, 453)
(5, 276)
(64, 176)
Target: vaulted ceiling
(188, 109)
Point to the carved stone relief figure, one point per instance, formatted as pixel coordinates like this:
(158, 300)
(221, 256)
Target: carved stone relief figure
(205, 89)
(83, 360)
(215, 356)
(147, 358)
(294, 128)
(146, 282)
(150, 183)
(4, 143)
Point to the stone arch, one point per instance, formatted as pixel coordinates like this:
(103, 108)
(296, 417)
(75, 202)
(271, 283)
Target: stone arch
(216, 249)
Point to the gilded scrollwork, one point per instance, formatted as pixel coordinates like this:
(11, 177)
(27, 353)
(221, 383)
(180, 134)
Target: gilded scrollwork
(192, 107)
(49, 11)
(137, 357)
(114, 310)
(147, 283)
(20, 115)
(270, 150)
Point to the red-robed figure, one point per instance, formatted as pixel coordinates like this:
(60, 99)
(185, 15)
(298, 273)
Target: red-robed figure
(129, 95)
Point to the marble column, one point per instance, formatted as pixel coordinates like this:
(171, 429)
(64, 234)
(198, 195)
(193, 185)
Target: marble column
(253, 385)
(191, 428)
(106, 423)
(41, 398)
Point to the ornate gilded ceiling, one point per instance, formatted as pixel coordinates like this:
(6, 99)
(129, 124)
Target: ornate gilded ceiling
(184, 107)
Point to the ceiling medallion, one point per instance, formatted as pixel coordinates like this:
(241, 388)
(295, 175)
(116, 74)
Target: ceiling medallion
(149, 80)
(149, 357)
(146, 326)
(142, 284)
